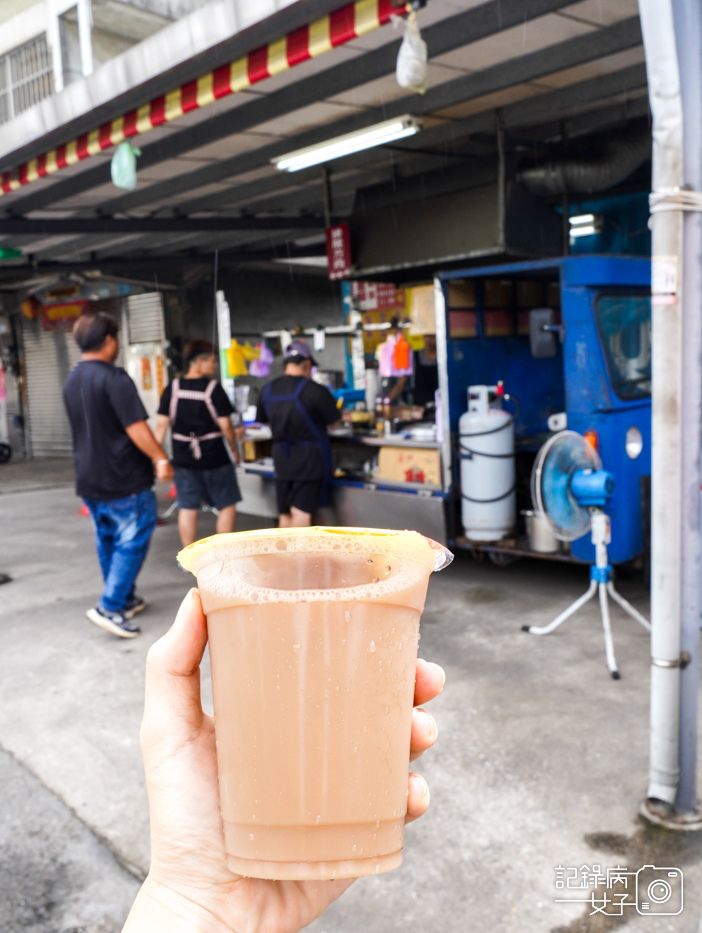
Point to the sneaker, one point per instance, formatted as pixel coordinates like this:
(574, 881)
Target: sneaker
(136, 604)
(114, 622)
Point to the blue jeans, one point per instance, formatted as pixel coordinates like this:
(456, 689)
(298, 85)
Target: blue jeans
(123, 529)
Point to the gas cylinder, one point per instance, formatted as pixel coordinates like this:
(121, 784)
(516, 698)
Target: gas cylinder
(486, 448)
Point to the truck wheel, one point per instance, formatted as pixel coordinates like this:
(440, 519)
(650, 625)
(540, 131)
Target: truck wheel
(5, 453)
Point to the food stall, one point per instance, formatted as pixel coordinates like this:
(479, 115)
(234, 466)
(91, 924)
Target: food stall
(549, 344)
(390, 466)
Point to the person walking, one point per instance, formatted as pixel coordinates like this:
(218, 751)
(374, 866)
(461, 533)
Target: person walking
(197, 410)
(299, 412)
(115, 457)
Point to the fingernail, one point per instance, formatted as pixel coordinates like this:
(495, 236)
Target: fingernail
(440, 669)
(431, 724)
(423, 786)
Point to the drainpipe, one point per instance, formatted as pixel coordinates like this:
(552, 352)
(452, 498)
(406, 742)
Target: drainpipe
(688, 31)
(666, 106)
(675, 543)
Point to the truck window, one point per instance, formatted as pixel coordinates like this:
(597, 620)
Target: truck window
(624, 323)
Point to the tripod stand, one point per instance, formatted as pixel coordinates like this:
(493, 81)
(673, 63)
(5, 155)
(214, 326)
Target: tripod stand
(600, 581)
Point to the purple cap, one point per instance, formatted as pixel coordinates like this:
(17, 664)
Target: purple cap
(299, 348)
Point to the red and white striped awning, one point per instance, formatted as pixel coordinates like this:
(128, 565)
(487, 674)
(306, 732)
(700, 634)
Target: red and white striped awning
(343, 25)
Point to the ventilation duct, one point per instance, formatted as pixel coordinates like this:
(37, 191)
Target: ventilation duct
(622, 155)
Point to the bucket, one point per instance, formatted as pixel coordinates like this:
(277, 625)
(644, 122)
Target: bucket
(540, 536)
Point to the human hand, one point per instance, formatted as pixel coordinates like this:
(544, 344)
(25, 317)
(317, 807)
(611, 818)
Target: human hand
(189, 887)
(164, 471)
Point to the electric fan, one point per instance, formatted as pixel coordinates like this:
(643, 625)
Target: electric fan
(569, 490)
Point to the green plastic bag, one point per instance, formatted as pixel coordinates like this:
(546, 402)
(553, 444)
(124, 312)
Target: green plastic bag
(123, 166)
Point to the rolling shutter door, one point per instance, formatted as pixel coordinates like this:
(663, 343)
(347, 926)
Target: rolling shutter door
(145, 319)
(49, 356)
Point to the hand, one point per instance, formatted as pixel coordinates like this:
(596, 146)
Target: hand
(164, 471)
(189, 887)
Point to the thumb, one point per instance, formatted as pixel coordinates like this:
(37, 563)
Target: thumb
(172, 706)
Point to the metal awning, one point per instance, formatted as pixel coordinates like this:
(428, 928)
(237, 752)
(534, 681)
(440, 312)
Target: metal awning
(544, 70)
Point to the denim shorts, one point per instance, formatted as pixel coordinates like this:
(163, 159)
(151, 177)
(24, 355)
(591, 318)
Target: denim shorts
(217, 487)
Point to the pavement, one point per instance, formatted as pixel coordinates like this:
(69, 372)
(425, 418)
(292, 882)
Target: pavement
(541, 762)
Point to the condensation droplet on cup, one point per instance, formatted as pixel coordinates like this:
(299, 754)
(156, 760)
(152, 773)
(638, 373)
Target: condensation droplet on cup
(355, 748)
(318, 818)
(353, 847)
(372, 645)
(296, 648)
(374, 580)
(377, 824)
(251, 837)
(347, 616)
(388, 569)
(369, 561)
(277, 686)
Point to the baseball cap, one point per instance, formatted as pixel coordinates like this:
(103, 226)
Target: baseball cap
(299, 348)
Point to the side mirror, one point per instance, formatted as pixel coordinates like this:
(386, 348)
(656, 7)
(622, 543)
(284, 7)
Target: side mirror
(543, 333)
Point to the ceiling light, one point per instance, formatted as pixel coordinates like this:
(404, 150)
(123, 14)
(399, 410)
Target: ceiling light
(378, 135)
(581, 220)
(585, 224)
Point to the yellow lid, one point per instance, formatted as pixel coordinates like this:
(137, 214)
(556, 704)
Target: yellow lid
(407, 544)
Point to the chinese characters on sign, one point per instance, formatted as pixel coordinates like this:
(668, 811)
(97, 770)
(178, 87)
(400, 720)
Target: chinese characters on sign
(339, 251)
(649, 890)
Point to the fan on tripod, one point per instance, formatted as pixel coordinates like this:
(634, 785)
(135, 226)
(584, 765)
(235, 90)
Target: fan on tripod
(570, 489)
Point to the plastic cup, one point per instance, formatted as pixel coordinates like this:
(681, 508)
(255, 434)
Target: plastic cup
(313, 644)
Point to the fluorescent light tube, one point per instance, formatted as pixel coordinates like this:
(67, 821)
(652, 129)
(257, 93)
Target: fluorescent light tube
(585, 230)
(378, 135)
(580, 220)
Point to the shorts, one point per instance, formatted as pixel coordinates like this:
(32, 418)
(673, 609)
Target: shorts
(217, 487)
(304, 495)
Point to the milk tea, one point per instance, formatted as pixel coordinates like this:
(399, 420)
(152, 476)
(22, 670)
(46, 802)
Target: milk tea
(313, 645)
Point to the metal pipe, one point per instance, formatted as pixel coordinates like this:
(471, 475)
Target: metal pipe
(666, 475)
(688, 30)
(85, 27)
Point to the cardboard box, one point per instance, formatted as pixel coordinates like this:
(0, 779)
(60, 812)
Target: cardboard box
(256, 450)
(421, 309)
(409, 465)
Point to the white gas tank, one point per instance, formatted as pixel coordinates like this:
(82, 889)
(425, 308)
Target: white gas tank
(486, 448)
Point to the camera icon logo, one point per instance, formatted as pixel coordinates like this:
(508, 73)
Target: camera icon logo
(659, 891)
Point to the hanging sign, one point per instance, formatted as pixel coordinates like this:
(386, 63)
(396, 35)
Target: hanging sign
(62, 317)
(339, 251)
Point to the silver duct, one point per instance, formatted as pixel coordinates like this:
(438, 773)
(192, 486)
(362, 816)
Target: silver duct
(622, 155)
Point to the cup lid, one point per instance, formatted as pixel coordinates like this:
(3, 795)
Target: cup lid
(408, 544)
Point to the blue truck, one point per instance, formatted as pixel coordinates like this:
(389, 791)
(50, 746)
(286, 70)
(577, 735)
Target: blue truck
(597, 371)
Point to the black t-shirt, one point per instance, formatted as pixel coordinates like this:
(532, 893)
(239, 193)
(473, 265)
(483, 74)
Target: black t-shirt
(293, 455)
(101, 401)
(193, 419)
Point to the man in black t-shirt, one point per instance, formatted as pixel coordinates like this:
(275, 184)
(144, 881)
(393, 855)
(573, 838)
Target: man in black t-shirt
(198, 412)
(115, 455)
(299, 412)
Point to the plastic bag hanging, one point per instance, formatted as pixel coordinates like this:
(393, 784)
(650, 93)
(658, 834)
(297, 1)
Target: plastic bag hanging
(123, 166)
(411, 68)
(262, 366)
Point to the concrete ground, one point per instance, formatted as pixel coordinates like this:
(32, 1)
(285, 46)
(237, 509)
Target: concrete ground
(541, 761)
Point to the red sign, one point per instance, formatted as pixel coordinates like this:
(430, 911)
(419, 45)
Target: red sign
(378, 296)
(62, 317)
(339, 251)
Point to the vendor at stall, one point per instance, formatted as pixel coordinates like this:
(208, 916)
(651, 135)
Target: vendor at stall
(299, 412)
(426, 372)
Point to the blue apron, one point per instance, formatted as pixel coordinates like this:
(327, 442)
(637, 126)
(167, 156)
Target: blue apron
(321, 440)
